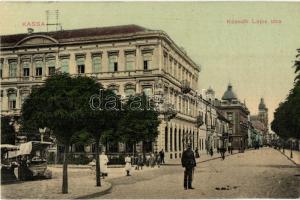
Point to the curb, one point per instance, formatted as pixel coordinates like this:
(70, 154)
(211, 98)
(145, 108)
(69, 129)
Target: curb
(96, 194)
(298, 165)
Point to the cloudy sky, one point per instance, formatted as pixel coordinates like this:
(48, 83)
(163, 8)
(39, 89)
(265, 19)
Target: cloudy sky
(255, 56)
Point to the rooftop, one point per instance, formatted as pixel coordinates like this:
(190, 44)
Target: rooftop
(11, 40)
(229, 94)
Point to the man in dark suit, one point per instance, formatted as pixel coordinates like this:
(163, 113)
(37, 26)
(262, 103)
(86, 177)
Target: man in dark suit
(188, 162)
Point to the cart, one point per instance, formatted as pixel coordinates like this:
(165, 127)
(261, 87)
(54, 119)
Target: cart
(8, 164)
(33, 162)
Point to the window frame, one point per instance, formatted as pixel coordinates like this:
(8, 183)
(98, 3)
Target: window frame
(96, 62)
(14, 69)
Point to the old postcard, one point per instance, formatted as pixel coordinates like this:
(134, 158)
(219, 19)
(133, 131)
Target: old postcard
(150, 100)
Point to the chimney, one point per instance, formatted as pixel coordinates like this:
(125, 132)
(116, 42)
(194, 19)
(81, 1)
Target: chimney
(30, 30)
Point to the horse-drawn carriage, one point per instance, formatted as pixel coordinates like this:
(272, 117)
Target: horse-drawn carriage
(30, 158)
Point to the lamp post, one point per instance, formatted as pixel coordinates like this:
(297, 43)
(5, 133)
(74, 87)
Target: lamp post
(42, 132)
(291, 156)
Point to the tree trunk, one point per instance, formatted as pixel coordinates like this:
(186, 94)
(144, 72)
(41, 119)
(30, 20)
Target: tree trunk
(98, 178)
(65, 170)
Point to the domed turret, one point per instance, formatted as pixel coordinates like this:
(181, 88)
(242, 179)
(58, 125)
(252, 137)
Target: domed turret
(262, 105)
(229, 94)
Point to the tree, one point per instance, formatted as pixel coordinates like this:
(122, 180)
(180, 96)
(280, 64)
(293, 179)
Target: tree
(140, 120)
(60, 105)
(286, 121)
(7, 130)
(100, 118)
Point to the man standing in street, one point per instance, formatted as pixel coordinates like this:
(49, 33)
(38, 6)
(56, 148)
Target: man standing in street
(162, 156)
(188, 162)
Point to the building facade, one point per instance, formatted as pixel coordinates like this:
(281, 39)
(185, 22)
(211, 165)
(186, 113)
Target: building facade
(237, 113)
(262, 118)
(126, 59)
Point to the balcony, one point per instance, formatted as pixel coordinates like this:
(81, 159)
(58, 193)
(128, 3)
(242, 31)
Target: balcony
(185, 86)
(199, 121)
(167, 110)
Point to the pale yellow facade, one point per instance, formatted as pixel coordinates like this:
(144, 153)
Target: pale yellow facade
(146, 60)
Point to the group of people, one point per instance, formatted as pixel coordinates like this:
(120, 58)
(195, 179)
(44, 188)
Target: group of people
(140, 160)
(150, 160)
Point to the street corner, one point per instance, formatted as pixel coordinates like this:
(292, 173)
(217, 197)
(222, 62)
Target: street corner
(47, 189)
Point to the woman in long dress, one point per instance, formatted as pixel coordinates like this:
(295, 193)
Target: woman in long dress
(127, 165)
(103, 164)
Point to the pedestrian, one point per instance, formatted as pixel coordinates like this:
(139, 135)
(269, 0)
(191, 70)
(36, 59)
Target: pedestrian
(148, 160)
(103, 164)
(92, 165)
(140, 162)
(189, 163)
(128, 165)
(162, 156)
(152, 160)
(22, 171)
(222, 150)
(229, 147)
(211, 151)
(157, 159)
(197, 155)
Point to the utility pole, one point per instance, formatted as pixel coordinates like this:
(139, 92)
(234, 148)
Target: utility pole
(52, 18)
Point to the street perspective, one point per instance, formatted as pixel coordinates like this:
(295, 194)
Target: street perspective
(150, 100)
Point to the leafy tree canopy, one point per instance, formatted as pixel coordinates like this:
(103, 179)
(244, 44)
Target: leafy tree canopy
(59, 104)
(140, 121)
(286, 121)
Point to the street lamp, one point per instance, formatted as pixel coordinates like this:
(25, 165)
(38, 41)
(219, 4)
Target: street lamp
(291, 156)
(42, 132)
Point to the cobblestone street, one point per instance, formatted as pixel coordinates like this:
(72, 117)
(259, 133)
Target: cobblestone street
(263, 173)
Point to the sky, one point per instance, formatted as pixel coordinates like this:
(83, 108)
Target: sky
(256, 56)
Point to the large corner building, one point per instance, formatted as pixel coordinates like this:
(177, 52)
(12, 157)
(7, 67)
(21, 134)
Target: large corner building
(127, 59)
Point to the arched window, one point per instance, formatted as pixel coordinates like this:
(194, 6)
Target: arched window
(166, 139)
(96, 62)
(175, 139)
(129, 90)
(114, 88)
(171, 139)
(193, 140)
(12, 97)
(197, 139)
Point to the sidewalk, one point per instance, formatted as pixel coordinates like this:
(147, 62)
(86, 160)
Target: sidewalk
(203, 158)
(81, 182)
(296, 155)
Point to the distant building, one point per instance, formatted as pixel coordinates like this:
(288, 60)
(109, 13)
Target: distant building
(237, 113)
(262, 117)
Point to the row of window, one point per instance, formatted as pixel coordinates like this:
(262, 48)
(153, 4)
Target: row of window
(176, 69)
(80, 64)
(129, 90)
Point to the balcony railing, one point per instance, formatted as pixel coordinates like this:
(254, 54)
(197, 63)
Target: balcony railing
(167, 110)
(98, 75)
(185, 86)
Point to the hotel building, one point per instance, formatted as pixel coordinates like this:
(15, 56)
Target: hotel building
(127, 59)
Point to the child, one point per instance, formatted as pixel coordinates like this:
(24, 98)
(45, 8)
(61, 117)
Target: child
(127, 165)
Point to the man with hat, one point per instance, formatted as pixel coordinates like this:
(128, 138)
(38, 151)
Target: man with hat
(188, 162)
